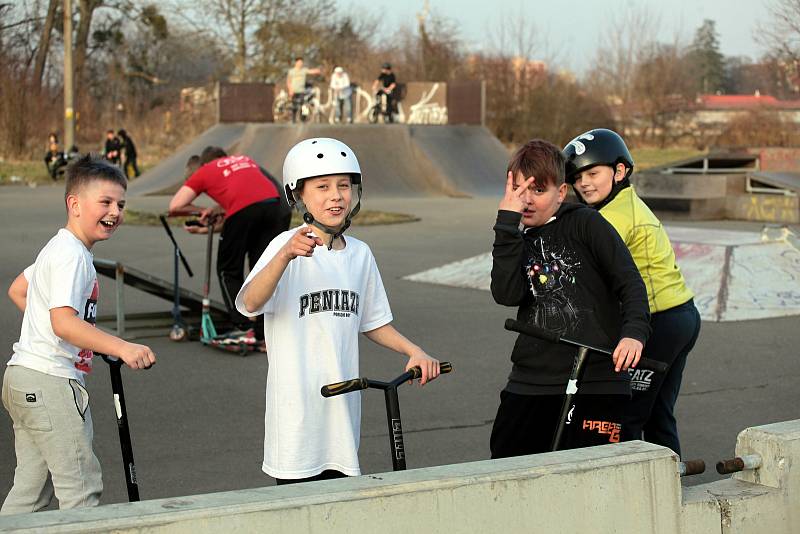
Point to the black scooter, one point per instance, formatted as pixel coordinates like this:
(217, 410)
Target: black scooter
(114, 366)
(396, 446)
(577, 367)
(179, 330)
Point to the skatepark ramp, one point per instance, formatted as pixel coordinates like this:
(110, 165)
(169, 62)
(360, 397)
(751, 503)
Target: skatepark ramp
(397, 160)
(753, 185)
(168, 174)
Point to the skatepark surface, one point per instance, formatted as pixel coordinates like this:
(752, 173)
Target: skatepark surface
(196, 418)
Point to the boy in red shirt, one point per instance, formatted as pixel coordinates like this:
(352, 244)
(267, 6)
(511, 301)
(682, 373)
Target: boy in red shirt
(253, 216)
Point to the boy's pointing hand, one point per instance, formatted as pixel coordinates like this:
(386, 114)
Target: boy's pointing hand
(302, 243)
(513, 200)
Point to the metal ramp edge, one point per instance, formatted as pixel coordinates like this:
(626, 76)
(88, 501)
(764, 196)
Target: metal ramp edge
(127, 275)
(785, 182)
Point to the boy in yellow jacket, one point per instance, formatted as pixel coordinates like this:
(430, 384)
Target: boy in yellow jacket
(599, 166)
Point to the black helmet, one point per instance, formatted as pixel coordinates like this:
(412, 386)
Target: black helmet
(595, 147)
(387, 66)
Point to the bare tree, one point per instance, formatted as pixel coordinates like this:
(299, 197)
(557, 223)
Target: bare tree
(258, 34)
(44, 43)
(662, 90)
(613, 73)
(781, 35)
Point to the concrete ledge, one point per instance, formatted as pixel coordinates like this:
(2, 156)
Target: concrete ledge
(626, 488)
(591, 490)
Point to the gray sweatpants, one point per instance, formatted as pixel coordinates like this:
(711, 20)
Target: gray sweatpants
(52, 435)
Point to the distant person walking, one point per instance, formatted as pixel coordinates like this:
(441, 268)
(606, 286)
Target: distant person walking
(128, 150)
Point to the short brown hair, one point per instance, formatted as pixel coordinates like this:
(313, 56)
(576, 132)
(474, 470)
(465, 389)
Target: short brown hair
(192, 164)
(541, 159)
(89, 169)
(210, 153)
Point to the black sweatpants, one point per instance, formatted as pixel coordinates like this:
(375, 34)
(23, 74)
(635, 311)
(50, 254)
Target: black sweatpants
(130, 165)
(246, 235)
(526, 424)
(650, 410)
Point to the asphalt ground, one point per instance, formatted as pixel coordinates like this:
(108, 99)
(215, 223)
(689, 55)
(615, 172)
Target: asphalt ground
(196, 418)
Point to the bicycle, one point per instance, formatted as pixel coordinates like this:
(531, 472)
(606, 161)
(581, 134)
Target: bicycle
(381, 108)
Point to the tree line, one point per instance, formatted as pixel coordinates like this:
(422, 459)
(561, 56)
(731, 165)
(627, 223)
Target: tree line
(132, 58)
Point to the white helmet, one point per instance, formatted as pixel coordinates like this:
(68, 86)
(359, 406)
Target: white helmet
(321, 156)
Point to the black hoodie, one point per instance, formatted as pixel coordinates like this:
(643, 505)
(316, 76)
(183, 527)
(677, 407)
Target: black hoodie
(575, 276)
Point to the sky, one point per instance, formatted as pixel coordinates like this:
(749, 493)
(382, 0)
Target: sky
(573, 29)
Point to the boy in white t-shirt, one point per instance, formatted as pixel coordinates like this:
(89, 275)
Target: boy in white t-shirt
(43, 385)
(318, 291)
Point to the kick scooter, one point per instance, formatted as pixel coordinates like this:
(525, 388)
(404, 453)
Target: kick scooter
(179, 331)
(577, 367)
(131, 482)
(392, 405)
(208, 332)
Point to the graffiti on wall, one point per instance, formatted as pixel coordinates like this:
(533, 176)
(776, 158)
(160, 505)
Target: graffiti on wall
(425, 111)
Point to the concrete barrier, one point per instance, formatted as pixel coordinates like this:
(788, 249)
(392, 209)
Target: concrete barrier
(626, 488)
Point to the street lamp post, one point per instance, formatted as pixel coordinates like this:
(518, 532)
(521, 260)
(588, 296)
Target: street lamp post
(69, 97)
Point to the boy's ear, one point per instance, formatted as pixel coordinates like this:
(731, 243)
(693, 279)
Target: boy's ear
(73, 205)
(562, 192)
(619, 172)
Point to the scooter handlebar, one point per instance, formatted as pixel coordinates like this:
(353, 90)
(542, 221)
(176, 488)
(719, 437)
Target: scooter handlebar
(532, 330)
(535, 331)
(110, 360)
(416, 372)
(339, 388)
(357, 384)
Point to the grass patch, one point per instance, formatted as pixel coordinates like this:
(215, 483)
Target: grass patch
(24, 172)
(645, 158)
(13, 172)
(364, 218)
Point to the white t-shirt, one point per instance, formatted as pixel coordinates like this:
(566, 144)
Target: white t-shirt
(341, 83)
(62, 275)
(311, 328)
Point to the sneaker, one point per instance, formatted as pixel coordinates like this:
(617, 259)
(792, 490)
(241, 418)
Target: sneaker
(236, 336)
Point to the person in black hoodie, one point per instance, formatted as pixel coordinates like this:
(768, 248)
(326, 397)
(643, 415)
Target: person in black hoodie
(568, 271)
(128, 149)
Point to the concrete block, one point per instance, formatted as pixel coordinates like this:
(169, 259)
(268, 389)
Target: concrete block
(764, 207)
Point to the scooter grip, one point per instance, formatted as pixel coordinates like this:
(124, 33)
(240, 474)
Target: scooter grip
(535, 331)
(653, 365)
(114, 361)
(339, 388)
(444, 367)
(532, 330)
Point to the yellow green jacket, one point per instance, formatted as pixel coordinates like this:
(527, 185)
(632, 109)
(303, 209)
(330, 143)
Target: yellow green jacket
(651, 249)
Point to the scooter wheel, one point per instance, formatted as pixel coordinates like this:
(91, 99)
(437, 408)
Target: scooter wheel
(177, 333)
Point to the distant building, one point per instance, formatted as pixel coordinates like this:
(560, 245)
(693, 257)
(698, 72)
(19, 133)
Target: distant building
(718, 110)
